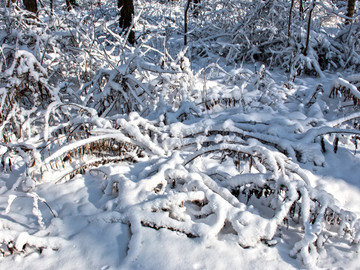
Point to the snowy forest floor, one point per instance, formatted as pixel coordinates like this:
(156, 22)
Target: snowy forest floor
(239, 168)
(84, 236)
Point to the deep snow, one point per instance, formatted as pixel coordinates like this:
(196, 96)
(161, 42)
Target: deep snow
(185, 203)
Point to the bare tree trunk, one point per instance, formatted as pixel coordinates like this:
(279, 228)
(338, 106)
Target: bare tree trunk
(350, 9)
(31, 5)
(185, 21)
(290, 14)
(312, 6)
(8, 2)
(126, 13)
(127, 17)
(69, 7)
(301, 8)
(71, 4)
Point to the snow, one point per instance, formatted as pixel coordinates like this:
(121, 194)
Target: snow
(236, 151)
(340, 82)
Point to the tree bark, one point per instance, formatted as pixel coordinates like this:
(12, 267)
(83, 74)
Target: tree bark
(69, 7)
(185, 21)
(290, 14)
(71, 4)
(8, 2)
(126, 13)
(31, 5)
(351, 9)
(301, 8)
(312, 6)
(127, 17)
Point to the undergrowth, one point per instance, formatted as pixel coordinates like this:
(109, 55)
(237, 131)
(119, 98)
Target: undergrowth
(76, 96)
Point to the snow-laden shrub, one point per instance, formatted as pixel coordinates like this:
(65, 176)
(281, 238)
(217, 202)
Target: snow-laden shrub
(342, 99)
(265, 31)
(87, 141)
(26, 93)
(347, 89)
(245, 89)
(213, 154)
(96, 73)
(25, 87)
(177, 86)
(225, 180)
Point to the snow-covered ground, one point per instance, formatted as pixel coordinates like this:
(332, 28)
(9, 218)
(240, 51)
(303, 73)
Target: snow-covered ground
(91, 228)
(230, 167)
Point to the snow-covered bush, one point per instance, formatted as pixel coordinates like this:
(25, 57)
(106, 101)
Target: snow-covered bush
(205, 148)
(347, 89)
(245, 89)
(25, 89)
(224, 180)
(276, 33)
(26, 93)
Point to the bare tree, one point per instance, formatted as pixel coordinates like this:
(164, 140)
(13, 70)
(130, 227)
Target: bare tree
(31, 5)
(195, 7)
(127, 18)
(350, 10)
(186, 21)
(289, 24)
(71, 4)
(311, 9)
(10, 1)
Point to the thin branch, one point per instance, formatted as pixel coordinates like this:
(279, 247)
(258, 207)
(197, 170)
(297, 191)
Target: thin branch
(185, 21)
